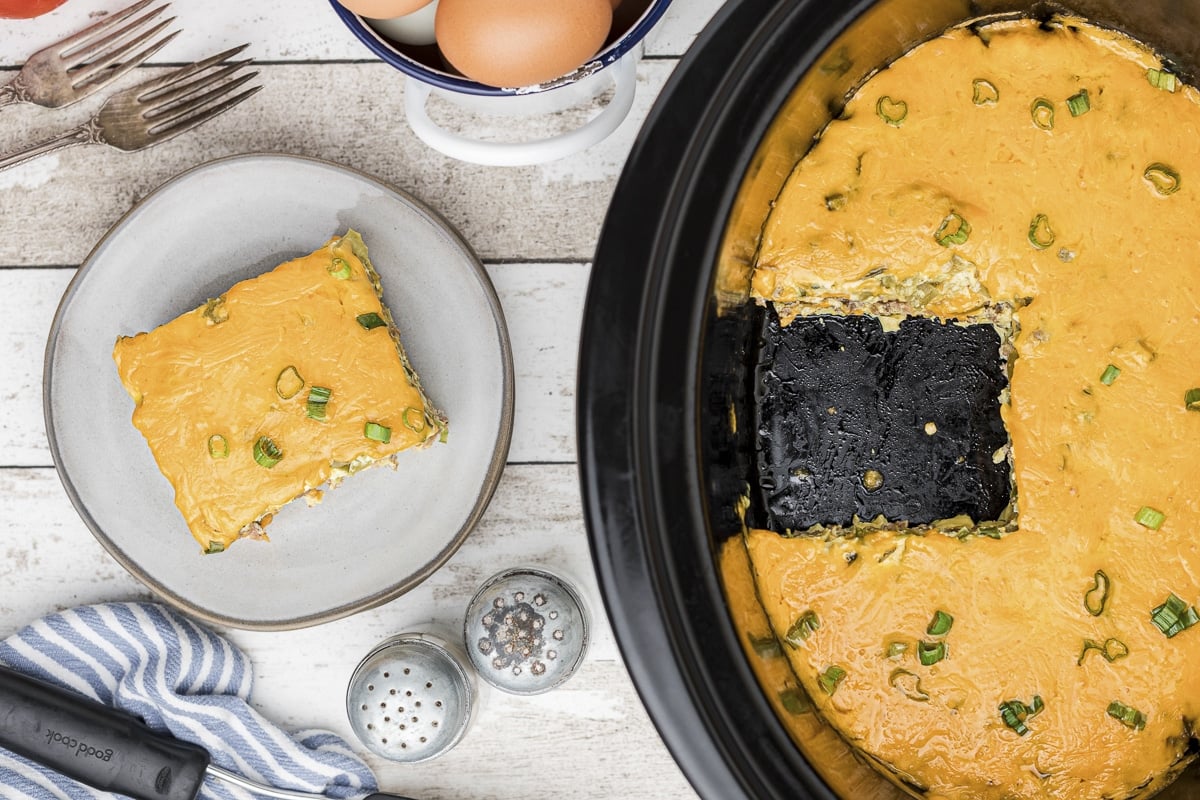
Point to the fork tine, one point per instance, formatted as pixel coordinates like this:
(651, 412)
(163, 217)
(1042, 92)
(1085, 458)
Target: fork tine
(99, 44)
(170, 112)
(85, 73)
(102, 26)
(193, 83)
(164, 132)
(149, 89)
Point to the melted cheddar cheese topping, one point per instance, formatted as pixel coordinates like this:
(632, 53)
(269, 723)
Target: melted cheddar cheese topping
(966, 177)
(828, 752)
(210, 384)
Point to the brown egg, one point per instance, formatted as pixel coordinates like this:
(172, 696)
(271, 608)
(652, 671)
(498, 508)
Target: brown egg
(513, 43)
(384, 9)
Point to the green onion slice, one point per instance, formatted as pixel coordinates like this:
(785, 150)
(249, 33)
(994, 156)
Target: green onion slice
(893, 112)
(318, 398)
(1096, 597)
(830, 678)
(1112, 650)
(984, 93)
(795, 701)
(414, 419)
(953, 230)
(1110, 374)
(378, 433)
(266, 452)
(1126, 715)
(839, 63)
(766, 646)
(1191, 399)
(288, 383)
(802, 628)
(1088, 646)
(370, 320)
(339, 268)
(896, 649)
(1079, 103)
(214, 547)
(1161, 79)
(940, 624)
(929, 653)
(909, 684)
(1174, 616)
(1150, 518)
(1162, 178)
(215, 311)
(1015, 713)
(1041, 235)
(1042, 113)
(218, 446)
(836, 201)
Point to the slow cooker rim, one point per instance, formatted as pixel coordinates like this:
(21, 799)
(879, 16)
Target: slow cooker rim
(622, 447)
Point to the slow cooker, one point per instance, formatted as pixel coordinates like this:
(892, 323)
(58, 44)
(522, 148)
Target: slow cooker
(668, 342)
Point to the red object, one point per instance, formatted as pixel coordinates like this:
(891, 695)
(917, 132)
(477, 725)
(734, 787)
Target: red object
(23, 9)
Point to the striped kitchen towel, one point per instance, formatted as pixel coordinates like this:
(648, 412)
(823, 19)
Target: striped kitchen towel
(178, 677)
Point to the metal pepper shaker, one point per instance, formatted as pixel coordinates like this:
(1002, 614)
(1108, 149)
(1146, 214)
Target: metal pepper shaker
(526, 631)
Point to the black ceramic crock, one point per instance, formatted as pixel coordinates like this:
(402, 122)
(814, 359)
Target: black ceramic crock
(668, 334)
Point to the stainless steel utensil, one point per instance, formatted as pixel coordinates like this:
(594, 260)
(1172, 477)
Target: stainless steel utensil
(144, 764)
(88, 61)
(158, 109)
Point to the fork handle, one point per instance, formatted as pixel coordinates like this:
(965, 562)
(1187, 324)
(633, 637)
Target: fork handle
(84, 134)
(12, 92)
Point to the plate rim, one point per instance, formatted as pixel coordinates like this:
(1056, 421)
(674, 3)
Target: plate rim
(491, 478)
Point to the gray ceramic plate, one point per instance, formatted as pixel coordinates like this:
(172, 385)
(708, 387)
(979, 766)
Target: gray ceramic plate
(381, 532)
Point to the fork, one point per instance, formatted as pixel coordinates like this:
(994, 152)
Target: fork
(81, 64)
(157, 110)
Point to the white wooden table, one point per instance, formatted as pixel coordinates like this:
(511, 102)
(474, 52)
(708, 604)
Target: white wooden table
(535, 228)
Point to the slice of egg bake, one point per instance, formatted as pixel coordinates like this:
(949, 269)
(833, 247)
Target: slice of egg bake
(285, 382)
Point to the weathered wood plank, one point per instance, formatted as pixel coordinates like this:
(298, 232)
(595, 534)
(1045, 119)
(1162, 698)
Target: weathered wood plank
(543, 306)
(280, 30)
(590, 738)
(50, 562)
(53, 209)
(535, 517)
(28, 299)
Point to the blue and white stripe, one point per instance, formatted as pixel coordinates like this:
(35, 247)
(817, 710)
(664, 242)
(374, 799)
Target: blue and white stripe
(180, 678)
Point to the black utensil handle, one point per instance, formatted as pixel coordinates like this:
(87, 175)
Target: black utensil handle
(94, 744)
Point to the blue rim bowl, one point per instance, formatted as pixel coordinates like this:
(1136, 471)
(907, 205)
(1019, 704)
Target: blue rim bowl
(390, 54)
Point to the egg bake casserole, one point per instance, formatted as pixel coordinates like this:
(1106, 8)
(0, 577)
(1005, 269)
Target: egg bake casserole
(287, 381)
(1023, 192)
